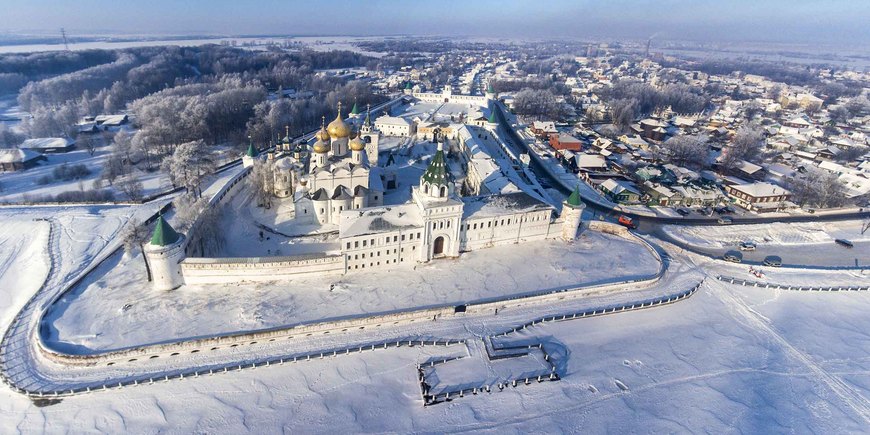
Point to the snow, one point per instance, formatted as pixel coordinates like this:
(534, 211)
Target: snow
(93, 317)
(729, 359)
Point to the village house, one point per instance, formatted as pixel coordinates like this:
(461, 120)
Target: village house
(761, 196)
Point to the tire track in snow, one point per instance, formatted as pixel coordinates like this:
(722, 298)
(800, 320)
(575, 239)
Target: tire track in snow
(847, 394)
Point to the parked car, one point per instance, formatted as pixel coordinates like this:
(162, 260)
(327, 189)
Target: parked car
(747, 245)
(845, 243)
(733, 256)
(683, 211)
(724, 220)
(772, 261)
(627, 222)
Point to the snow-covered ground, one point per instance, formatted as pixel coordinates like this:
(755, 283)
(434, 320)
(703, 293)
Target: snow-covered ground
(117, 308)
(729, 359)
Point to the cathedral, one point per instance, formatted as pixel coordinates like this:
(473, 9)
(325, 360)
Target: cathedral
(338, 173)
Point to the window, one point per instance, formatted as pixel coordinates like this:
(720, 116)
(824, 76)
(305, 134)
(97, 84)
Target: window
(348, 245)
(356, 244)
(364, 243)
(403, 237)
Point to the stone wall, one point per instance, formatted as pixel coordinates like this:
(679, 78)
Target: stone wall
(228, 270)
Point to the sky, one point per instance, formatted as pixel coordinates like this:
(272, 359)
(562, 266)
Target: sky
(838, 21)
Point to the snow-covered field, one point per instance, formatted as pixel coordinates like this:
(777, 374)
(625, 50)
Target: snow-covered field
(95, 317)
(729, 359)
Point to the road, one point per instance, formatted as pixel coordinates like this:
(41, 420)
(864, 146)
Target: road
(808, 256)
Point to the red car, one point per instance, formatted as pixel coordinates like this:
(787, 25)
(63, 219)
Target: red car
(627, 221)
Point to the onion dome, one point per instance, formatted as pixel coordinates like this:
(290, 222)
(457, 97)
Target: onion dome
(321, 147)
(322, 135)
(337, 128)
(356, 144)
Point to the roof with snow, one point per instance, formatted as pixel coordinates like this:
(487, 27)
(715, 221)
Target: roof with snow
(46, 143)
(14, 155)
(761, 189)
(379, 220)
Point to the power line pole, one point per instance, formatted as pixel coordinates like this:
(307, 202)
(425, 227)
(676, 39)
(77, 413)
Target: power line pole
(65, 42)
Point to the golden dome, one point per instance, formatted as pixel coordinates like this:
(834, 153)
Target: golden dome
(322, 135)
(356, 144)
(321, 147)
(337, 128)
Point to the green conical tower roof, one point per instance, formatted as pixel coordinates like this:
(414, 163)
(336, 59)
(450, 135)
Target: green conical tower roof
(492, 118)
(436, 173)
(368, 120)
(163, 233)
(407, 85)
(251, 152)
(574, 199)
(355, 110)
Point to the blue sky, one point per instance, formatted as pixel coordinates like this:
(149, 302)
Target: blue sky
(723, 20)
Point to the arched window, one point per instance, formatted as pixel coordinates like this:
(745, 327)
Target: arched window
(443, 191)
(426, 188)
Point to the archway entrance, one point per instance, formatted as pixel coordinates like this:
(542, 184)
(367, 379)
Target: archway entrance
(438, 248)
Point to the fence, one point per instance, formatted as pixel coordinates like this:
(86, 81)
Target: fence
(768, 285)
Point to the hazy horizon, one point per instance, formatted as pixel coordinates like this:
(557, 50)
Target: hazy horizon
(841, 22)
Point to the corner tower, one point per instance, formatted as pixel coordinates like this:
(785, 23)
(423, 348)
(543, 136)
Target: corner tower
(164, 253)
(572, 210)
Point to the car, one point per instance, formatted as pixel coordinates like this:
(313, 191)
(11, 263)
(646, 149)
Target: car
(724, 220)
(844, 242)
(683, 211)
(748, 245)
(772, 261)
(733, 256)
(627, 222)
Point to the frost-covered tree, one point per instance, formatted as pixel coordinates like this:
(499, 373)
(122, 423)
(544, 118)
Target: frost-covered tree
(817, 188)
(746, 145)
(690, 151)
(262, 182)
(188, 165)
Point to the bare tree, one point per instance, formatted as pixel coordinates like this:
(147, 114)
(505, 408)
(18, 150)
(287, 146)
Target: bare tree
(134, 236)
(690, 151)
(131, 186)
(746, 145)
